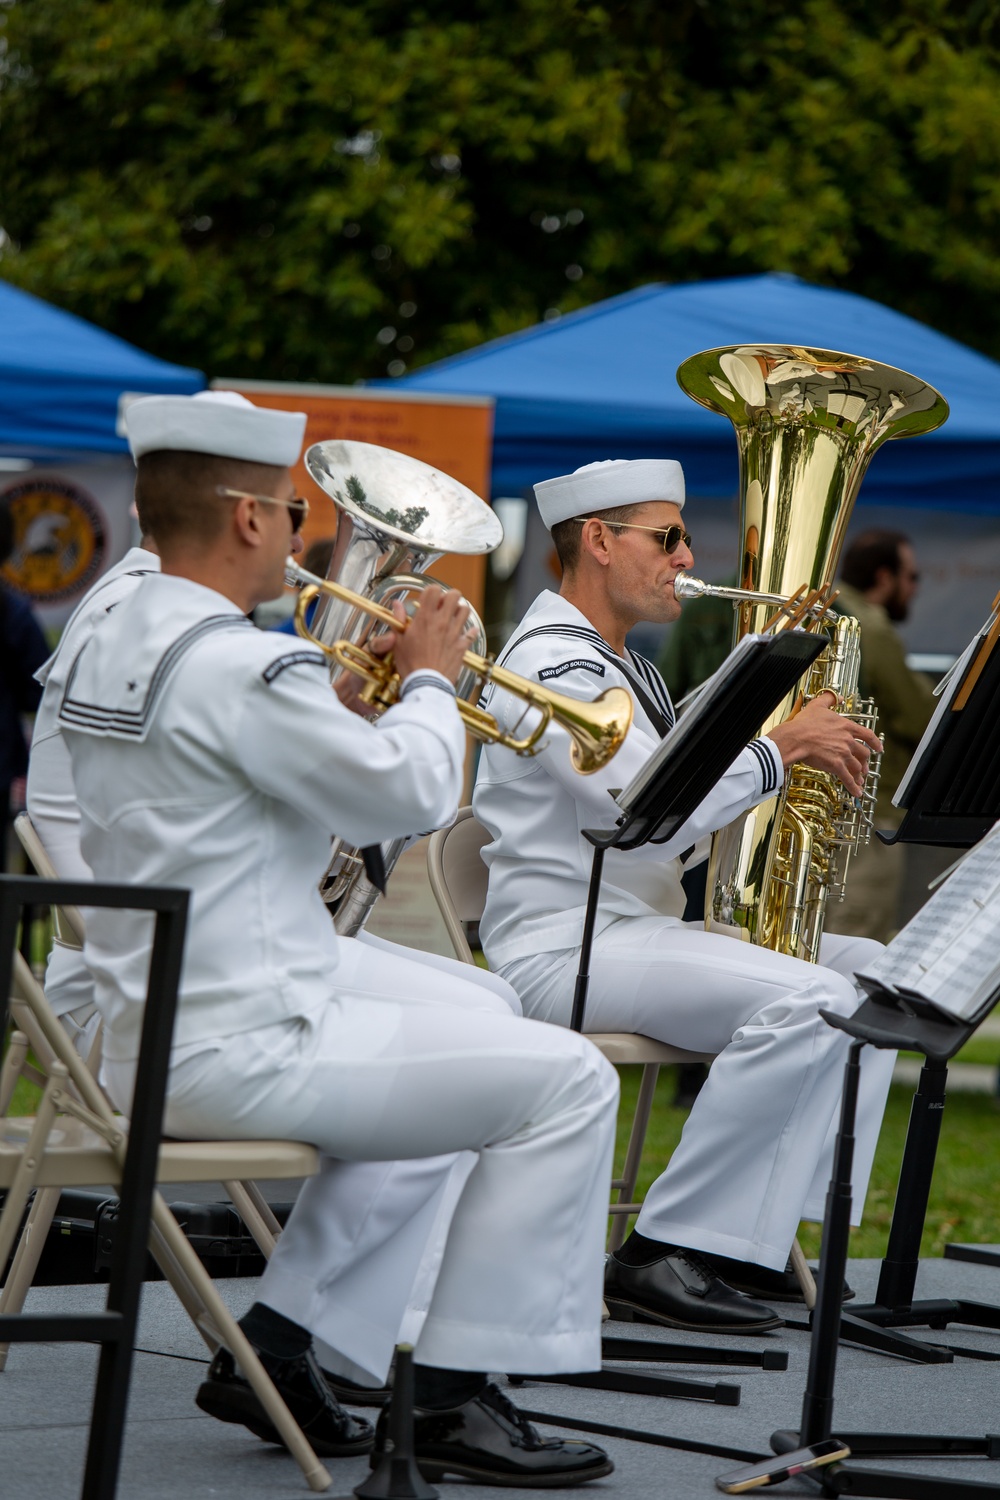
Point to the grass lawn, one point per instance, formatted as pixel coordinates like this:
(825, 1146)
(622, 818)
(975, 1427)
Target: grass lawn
(964, 1203)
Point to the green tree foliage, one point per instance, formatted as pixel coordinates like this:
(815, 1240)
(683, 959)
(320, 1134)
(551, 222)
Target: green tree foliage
(324, 189)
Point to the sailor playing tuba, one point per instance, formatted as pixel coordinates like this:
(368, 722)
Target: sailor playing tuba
(719, 1223)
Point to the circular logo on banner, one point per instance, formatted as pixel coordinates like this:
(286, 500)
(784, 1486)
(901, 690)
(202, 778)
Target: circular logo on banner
(60, 539)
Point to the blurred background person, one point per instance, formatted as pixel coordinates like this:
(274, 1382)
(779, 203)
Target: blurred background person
(23, 649)
(878, 579)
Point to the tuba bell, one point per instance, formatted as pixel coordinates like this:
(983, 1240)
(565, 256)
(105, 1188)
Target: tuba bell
(807, 424)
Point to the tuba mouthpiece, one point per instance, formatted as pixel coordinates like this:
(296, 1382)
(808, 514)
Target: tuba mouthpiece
(686, 587)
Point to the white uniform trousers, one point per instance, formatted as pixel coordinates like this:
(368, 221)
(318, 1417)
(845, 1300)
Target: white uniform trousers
(756, 1152)
(491, 1261)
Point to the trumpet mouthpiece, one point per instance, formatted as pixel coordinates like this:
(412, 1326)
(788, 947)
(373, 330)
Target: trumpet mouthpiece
(296, 576)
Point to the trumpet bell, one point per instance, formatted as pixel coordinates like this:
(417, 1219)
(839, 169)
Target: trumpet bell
(597, 728)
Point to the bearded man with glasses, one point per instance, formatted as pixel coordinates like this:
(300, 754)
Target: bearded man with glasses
(710, 1246)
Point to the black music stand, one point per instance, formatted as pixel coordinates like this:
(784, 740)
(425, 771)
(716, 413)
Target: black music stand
(951, 793)
(951, 790)
(678, 776)
(877, 1325)
(884, 1020)
(115, 1328)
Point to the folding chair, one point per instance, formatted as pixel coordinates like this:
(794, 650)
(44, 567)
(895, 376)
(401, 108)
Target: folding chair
(246, 1197)
(458, 879)
(76, 1139)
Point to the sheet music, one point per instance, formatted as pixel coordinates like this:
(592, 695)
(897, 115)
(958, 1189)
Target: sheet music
(687, 725)
(946, 691)
(950, 952)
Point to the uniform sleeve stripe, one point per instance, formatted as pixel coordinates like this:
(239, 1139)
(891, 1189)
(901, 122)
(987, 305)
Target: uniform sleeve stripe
(766, 768)
(765, 759)
(426, 679)
(760, 766)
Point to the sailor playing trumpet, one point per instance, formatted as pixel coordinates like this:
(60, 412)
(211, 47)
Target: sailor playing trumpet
(207, 754)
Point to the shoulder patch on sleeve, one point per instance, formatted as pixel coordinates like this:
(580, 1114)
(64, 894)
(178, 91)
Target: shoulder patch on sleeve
(293, 659)
(571, 666)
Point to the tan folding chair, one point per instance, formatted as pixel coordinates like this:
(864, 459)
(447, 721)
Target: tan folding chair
(249, 1202)
(458, 877)
(75, 1139)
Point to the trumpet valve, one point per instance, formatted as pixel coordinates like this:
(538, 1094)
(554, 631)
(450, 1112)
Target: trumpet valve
(378, 692)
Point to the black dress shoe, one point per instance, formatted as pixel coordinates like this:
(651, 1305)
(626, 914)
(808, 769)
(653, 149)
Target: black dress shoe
(682, 1290)
(760, 1281)
(487, 1439)
(333, 1432)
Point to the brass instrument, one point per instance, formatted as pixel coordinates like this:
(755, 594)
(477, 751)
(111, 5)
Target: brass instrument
(807, 424)
(395, 517)
(686, 587)
(597, 727)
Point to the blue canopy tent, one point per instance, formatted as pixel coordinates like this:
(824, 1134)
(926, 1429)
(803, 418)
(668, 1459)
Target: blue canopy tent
(601, 383)
(61, 378)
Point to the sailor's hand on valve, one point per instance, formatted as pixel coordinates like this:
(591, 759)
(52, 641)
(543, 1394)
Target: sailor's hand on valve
(827, 740)
(437, 636)
(349, 685)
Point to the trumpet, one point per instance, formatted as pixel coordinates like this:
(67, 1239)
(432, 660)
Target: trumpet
(596, 728)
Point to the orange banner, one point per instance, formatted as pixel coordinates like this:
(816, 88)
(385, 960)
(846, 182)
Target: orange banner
(453, 433)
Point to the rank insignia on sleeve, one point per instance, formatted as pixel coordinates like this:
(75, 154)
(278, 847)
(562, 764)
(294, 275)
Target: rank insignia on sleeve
(291, 660)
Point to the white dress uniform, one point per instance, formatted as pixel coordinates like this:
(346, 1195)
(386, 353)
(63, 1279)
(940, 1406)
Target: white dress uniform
(755, 1154)
(55, 813)
(51, 797)
(408, 1192)
(206, 754)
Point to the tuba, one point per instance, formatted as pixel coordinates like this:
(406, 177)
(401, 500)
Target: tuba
(396, 515)
(807, 424)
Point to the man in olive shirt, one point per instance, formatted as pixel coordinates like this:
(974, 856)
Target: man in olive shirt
(877, 582)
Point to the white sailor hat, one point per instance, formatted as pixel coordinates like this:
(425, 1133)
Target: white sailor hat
(222, 423)
(610, 482)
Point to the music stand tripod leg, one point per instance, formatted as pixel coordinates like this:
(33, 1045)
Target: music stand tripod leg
(894, 1306)
(586, 947)
(817, 1402)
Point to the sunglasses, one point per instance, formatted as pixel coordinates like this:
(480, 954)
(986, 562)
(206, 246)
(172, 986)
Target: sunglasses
(670, 536)
(297, 506)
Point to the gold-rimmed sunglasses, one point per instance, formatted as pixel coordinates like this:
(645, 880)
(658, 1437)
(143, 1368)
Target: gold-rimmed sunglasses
(297, 506)
(670, 536)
